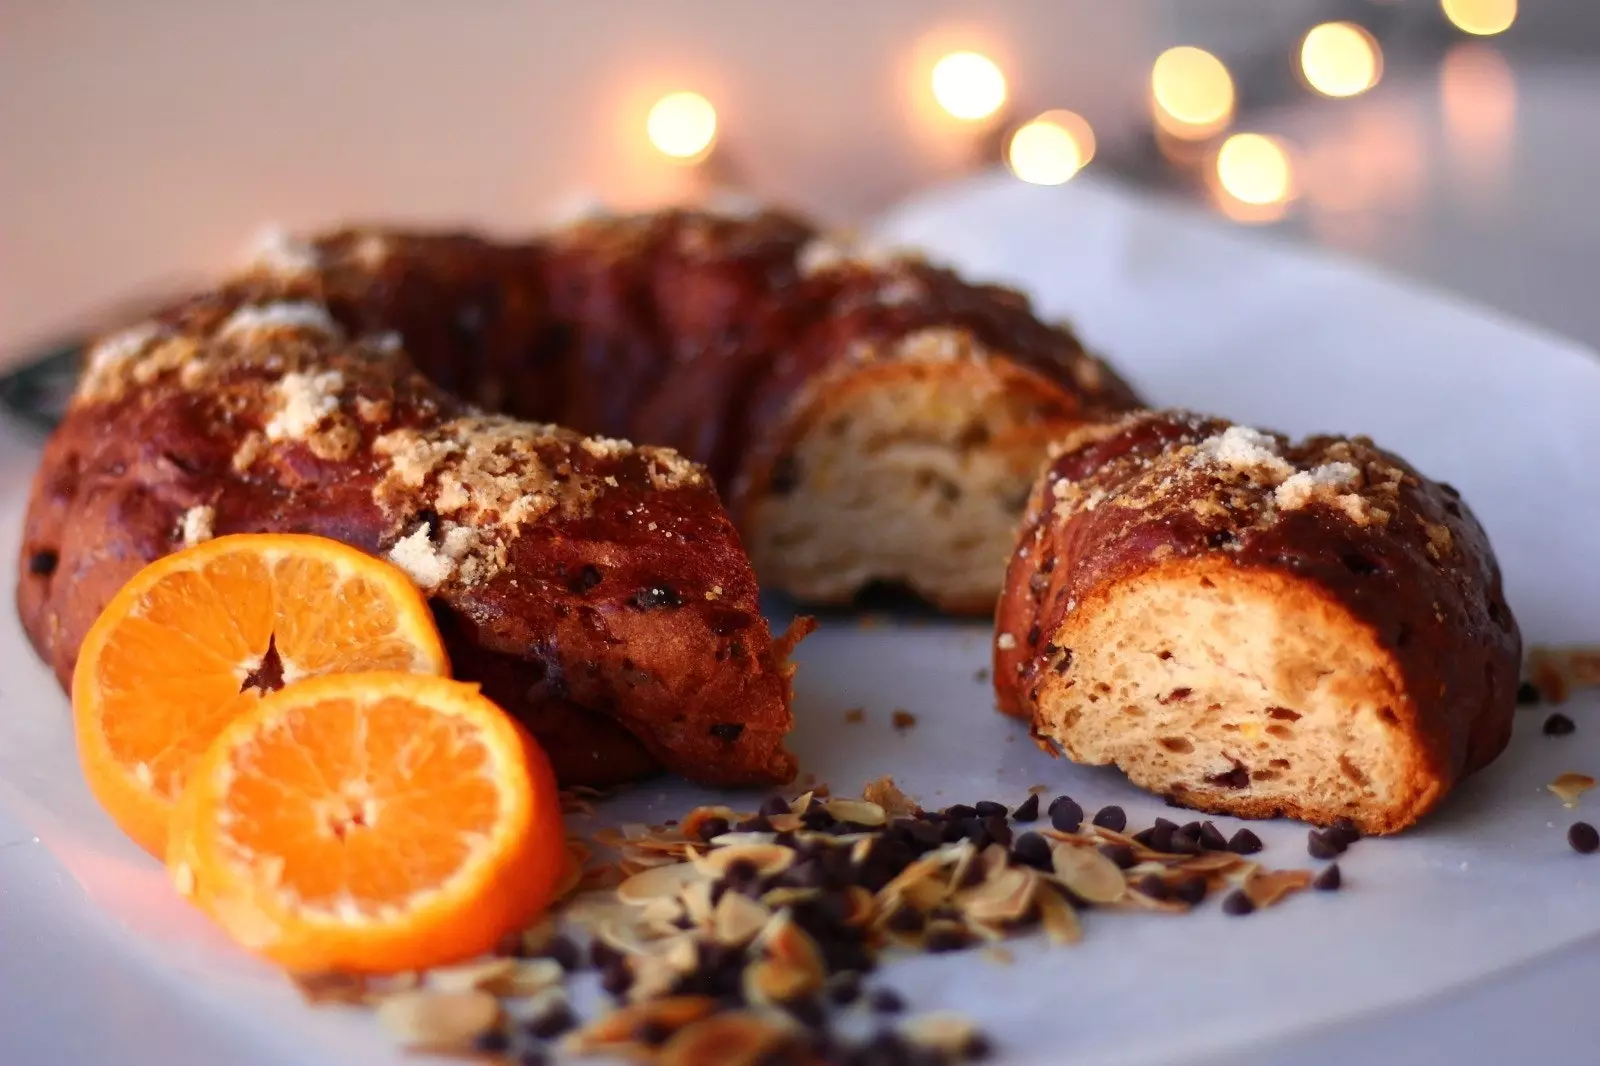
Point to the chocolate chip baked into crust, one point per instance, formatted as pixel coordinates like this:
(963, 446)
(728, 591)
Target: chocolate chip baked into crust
(1257, 627)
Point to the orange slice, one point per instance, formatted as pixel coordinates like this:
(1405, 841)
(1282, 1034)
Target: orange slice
(198, 637)
(370, 823)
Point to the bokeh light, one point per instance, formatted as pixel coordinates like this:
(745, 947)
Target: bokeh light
(1481, 17)
(1051, 148)
(1255, 169)
(1192, 92)
(1340, 59)
(968, 85)
(682, 125)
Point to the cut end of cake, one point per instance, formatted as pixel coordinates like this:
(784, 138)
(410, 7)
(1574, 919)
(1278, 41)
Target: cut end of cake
(904, 477)
(1238, 692)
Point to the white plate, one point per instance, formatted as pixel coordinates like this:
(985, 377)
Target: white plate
(104, 964)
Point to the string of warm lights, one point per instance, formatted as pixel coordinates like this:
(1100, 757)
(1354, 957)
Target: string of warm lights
(1193, 102)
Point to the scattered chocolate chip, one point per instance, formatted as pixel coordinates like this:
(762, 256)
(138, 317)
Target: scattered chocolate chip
(1237, 903)
(808, 1011)
(1528, 694)
(1152, 885)
(1322, 845)
(1345, 830)
(562, 949)
(492, 1041)
(774, 805)
(845, 988)
(602, 955)
(989, 808)
(997, 829)
(943, 939)
(616, 977)
(960, 810)
(1113, 818)
(1583, 838)
(979, 1047)
(1211, 838)
(1244, 842)
(906, 920)
(729, 731)
(713, 827)
(1191, 889)
(1027, 810)
(1559, 725)
(886, 1001)
(1329, 879)
(758, 824)
(1121, 854)
(43, 563)
(553, 1022)
(1031, 849)
(1065, 814)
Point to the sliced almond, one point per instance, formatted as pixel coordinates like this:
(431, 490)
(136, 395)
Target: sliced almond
(618, 1026)
(949, 1033)
(1140, 900)
(1058, 917)
(801, 803)
(1005, 896)
(784, 940)
(769, 982)
(660, 882)
(1210, 862)
(331, 987)
(920, 870)
(653, 977)
(1569, 786)
(1269, 886)
(736, 1038)
(862, 906)
(739, 839)
(491, 975)
(785, 823)
(860, 812)
(737, 919)
(439, 1021)
(533, 976)
(784, 896)
(690, 826)
(768, 859)
(1089, 874)
(696, 899)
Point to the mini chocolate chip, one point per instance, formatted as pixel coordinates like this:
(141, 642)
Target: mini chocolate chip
(774, 805)
(492, 1041)
(1152, 885)
(1165, 823)
(1528, 694)
(1113, 818)
(729, 731)
(1329, 879)
(808, 1011)
(651, 1033)
(1211, 838)
(1244, 842)
(905, 919)
(562, 949)
(1027, 810)
(43, 562)
(617, 977)
(553, 1022)
(654, 597)
(886, 1001)
(979, 1047)
(960, 810)
(740, 872)
(602, 955)
(844, 989)
(1559, 725)
(585, 579)
(1065, 814)
(1121, 854)
(989, 808)
(1321, 845)
(757, 824)
(1191, 889)
(1344, 830)
(1031, 849)
(947, 938)
(712, 827)
(1237, 903)
(997, 829)
(1158, 837)
(1583, 838)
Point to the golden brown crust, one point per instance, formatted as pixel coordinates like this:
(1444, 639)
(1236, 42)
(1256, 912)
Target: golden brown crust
(1392, 560)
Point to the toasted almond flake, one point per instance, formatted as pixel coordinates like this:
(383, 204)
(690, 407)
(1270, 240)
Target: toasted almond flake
(331, 987)
(737, 1038)
(660, 882)
(861, 812)
(631, 937)
(1004, 896)
(696, 901)
(737, 919)
(533, 977)
(1140, 901)
(769, 982)
(653, 977)
(801, 803)
(1569, 786)
(861, 849)
(785, 823)
(784, 896)
(1210, 862)
(488, 974)
(618, 1026)
(681, 953)
(1267, 887)
(949, 1033)
(439, 1021)
(690, 826)
(885, 794)
(1058, 917)
(768, 859)
(739, 840)
(1089, 874)
(662, 915)
(924, 868)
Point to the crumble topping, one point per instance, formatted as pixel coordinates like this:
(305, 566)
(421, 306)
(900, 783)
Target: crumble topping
(279, 253)
(286, 314)
(304, 402)
(195, 525)
(1247, 451)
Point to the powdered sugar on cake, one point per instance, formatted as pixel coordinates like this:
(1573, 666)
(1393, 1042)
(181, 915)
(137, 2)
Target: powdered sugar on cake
(284, 315)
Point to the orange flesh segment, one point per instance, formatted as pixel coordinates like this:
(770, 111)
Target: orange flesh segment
(194, 638)
(369, 807)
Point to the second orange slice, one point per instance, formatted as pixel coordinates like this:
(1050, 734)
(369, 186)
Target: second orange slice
(200, 636)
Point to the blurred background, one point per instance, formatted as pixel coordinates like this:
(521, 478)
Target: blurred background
(142, 143)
